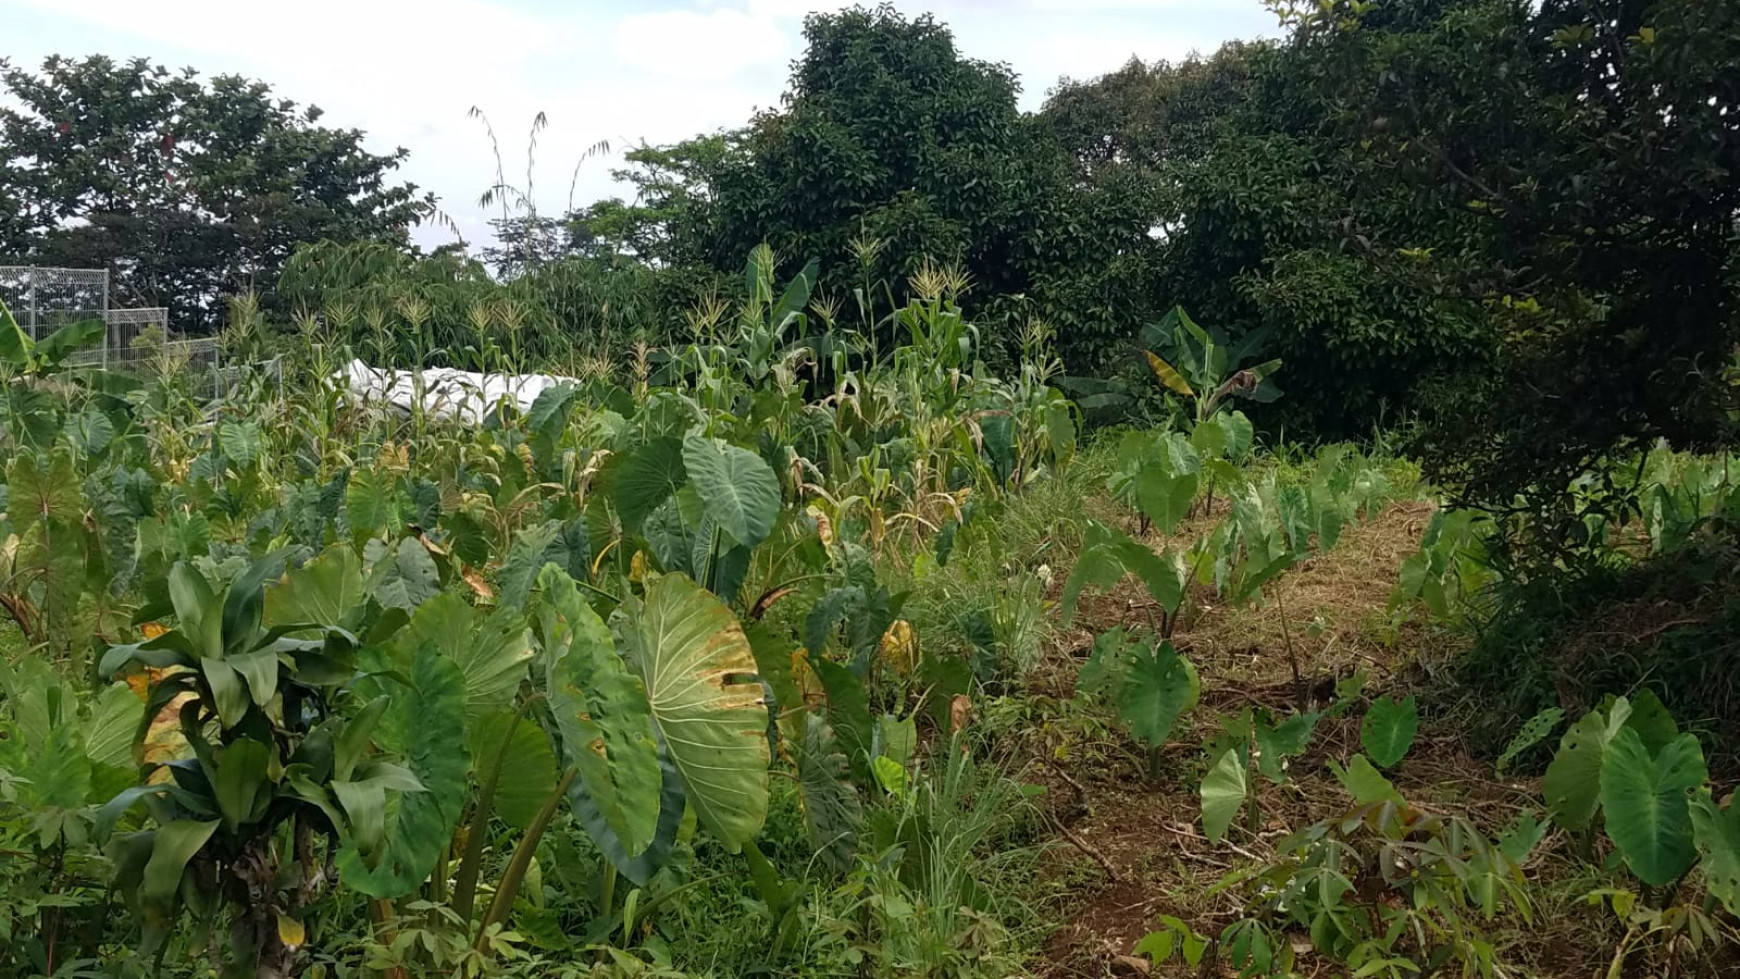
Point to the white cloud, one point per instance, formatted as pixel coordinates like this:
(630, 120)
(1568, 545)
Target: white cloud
(692, 44)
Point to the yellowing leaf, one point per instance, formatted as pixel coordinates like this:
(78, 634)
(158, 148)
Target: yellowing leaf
(478, 584)
(151, 630)
(824, 526)
(1169, 375)
(899, 648)
(291, 932)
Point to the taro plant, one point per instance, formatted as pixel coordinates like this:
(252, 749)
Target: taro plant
(1627, 771)
(1149, 684)
(1385, 890)
(1250, 739)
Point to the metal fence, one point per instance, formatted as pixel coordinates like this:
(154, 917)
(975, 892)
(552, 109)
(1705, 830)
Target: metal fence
(136, 341)
(44, 299)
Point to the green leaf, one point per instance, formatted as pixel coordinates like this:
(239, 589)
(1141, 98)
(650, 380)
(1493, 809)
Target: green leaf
(1163, 575)
(1651, 720)
(1240, 434)
(1365, 783)
(426, 726)
(1283, 741)
(15, 345)
(1388, 730)
(321, 592)
(239, 776)
(405, 577)
(706, 704)
(62, 343)
(525, 559)
(1223, 792)
(528, 765)
(848, 712)
(601, 711)
(260, 670)
(240, 442)
(1645, 801)
(371, 503)
(549, 409)
(229, 692)
(1716, 832)
(1162, 686)
(738, 488)
(1522, 837)
(491, 654)
(831, 807)
(173, 845)
(1165, 497)
(113, 724)
(1572, 784)
(1100, 564)
(1533, 732)
(646, 479)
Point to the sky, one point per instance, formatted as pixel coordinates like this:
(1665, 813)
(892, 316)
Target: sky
(623, 71)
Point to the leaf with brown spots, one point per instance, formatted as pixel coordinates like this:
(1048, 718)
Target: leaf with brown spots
(601, 712)
(706, 703)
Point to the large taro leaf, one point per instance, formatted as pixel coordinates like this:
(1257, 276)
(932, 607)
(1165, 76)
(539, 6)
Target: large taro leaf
(738, 488)
(602, 713)
(706, 703)
(424, 725)
(1644, 797)
(321, 592)
(1717, 833)
(1165, 496)
(491, 654)
(646, 479)
(404, 576)
(1162, 685)
(528, 766)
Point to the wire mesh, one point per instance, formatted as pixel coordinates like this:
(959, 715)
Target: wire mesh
(45, 299)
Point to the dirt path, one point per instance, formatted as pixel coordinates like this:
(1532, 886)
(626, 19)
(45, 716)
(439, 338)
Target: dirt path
(1134, 849)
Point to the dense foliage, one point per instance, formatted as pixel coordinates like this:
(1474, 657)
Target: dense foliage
(775, 616)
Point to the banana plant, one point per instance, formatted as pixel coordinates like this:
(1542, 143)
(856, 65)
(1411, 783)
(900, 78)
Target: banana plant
(1203, 367)
(29, 357)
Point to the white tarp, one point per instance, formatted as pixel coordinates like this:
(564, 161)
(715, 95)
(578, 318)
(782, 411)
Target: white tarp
(463, 396)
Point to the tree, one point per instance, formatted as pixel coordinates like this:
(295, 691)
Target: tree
(1567, 175)
(890, 148)
(1514, 219)
(185, 190)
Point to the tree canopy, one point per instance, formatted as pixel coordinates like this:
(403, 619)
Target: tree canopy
(185, 189)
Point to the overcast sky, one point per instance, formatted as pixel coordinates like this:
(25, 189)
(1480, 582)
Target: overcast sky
(624, 71)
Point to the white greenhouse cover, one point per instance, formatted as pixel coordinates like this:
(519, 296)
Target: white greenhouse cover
(462, 396)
